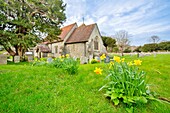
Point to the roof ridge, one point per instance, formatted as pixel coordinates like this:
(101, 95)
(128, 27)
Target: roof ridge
(69, 25)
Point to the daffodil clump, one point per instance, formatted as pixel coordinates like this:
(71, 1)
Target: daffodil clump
(93, 61)
(64, 56)
(126, 83)
(64, 61)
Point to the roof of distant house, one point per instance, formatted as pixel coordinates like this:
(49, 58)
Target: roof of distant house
(81, 34)
(43, 48)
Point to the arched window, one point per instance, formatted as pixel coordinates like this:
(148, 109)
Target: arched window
(96, 44)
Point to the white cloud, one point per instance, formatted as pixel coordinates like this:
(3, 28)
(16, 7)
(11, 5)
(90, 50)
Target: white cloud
(138, 17)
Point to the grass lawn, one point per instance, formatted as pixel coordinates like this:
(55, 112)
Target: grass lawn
(28, 89)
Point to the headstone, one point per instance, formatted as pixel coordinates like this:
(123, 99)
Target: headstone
(141, 55)
(98, 59)
(16, 59)
(107, 59)
(90, 58)
(83, 60)
(49, 60)
(154, 53)
(30, 56)
(75, 58)
(3, 59)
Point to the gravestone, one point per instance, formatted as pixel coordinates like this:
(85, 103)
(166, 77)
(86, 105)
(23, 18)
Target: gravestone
(154, 53)
(3, 59)
(141, 55)
(29, 55)
(83, 60)
(90, 58)
(98, 59)
(49, 60)
(107, 59)
(16, 59)
(30, 58)
(75, 58)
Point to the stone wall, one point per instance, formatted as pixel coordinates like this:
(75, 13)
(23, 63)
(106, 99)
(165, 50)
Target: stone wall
(59, 51)
(76, 49)
(90, 43)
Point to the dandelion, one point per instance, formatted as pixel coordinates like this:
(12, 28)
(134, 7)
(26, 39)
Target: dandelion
(137, 62)
(98, 71)
(117, 59)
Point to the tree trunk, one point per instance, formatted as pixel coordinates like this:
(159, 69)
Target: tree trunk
(122, 52)
(10, 51)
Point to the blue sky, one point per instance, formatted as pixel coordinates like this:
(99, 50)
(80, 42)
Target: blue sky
(141, 18)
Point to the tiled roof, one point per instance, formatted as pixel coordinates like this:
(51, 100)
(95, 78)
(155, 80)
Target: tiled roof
(81, 34)
(43, 48)
(66, 30)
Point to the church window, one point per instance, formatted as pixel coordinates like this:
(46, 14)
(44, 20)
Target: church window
(96, 44)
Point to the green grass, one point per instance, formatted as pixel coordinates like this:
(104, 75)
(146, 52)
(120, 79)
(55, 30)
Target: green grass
(28, 89)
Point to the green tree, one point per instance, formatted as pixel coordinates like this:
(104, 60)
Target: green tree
(23, 23)
(138, 49)
(109, 42)
(164, 45)
(150, 47)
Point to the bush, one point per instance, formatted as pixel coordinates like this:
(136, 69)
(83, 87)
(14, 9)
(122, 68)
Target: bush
(150, 47)
(164, 46)
(127, 50)
(138, 49)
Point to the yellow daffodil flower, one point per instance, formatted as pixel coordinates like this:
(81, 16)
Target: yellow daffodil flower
(117, 59)
(67, 55)
(123, 59)
(111, 63)
(137, 62)
(62, 56)
(103, 57)
(130, 63)
(98, 71)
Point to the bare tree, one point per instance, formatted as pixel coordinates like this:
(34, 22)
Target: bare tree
(155, 38)
(122, 40)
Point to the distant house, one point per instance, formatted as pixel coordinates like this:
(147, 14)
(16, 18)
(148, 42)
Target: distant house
(82, 41)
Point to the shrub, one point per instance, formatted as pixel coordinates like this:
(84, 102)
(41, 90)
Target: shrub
(164, 45)
(150, 47)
